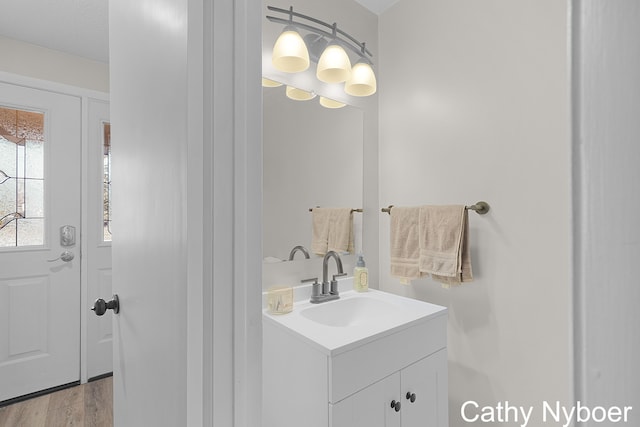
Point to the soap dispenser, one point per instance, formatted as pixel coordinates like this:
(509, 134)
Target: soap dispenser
(360, 276)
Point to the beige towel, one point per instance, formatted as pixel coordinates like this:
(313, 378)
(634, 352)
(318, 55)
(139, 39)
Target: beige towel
(332, 230)
(444, 244)
(405, 248)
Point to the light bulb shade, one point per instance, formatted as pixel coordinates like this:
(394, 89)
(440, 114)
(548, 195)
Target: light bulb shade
(334, 65)
(270, 83)
(290, 53)
(362, 81)
(299, 94)
(330, 103)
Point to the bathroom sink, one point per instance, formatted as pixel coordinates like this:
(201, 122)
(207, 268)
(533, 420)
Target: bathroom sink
(355, 319)
(353, 311)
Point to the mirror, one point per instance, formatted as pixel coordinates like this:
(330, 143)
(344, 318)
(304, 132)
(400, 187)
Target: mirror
(312, 156)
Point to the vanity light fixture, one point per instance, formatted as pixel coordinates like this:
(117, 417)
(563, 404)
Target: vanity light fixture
(299, 94)
(330, 103)
(333, 65)
(316, 44)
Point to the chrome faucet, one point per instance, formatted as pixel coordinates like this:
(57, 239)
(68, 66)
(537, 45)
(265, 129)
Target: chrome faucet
(329, 289)
(302, 249)
(325, 270)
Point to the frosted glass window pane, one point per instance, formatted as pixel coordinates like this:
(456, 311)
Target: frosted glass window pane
(34, 159)
(20, 197)
(7, 158)
(8, 235)
(20, 161)
(106, 182)
(34, 199)
(30, 125)
(8, 197)
(21, 178)
(30, 232)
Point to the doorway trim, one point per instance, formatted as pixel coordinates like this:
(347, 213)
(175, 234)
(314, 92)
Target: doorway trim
(224, 214)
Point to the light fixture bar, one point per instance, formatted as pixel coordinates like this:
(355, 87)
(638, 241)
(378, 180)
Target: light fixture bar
(359, 47)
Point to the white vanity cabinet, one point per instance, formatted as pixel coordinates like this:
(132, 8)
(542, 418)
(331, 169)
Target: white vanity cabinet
(311, 379)
(424, 382)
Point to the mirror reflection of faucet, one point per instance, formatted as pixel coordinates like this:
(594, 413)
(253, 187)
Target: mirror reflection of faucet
(329, 290)
(298, 248)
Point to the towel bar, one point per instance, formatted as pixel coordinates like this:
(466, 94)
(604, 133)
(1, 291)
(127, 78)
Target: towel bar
(352, 210)
(481, 208)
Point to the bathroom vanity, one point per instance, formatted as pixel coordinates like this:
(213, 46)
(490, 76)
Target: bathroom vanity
(369, 359)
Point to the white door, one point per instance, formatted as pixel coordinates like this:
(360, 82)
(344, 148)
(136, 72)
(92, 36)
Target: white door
(39, 193)
(186, 167)
(149, 133)
(97, 235)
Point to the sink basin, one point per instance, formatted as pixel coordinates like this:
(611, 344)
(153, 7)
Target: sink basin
(356, 318)
(352, 312)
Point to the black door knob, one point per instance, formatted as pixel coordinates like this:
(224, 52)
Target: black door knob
(395, 405)
(101, 306)
(411, 397)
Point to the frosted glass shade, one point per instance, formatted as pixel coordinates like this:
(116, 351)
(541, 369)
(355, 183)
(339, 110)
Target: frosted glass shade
(330, 103)
(299, 94)
(270, 83)
(362, 81)
(290, 53)
(334, 65)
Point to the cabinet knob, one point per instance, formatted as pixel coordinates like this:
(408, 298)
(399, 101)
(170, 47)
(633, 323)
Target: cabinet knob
(395, 405)
(411, 396)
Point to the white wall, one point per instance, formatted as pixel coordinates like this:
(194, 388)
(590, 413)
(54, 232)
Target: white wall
(608, 201)
(35, 61)
(475, 105)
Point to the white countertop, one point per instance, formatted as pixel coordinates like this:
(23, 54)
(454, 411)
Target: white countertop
(384, 314)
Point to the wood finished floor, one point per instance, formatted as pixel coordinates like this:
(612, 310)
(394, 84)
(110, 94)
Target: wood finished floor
(86, 405)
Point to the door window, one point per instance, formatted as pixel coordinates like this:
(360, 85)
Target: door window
(21, 178)
(106, 182)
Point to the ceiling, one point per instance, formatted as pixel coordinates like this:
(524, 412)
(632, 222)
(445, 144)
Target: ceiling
(377, 6)
(79, 27)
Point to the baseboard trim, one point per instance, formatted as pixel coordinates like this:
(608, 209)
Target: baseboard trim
(100, 377)
(37, 394)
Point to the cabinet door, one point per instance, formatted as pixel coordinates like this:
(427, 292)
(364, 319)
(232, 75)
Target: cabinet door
(370, 407)
(427, 379)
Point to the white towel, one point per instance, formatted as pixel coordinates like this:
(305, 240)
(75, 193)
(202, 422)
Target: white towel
(332, 230)
(444, 244)
(405, 248)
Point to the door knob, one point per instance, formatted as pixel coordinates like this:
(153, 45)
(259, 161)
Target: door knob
(101, 306)
(395, 405)
(411, 397)
(65, 256)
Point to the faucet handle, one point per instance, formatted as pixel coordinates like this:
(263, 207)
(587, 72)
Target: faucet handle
(338, 275)
(334, 284)
(315, 287)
